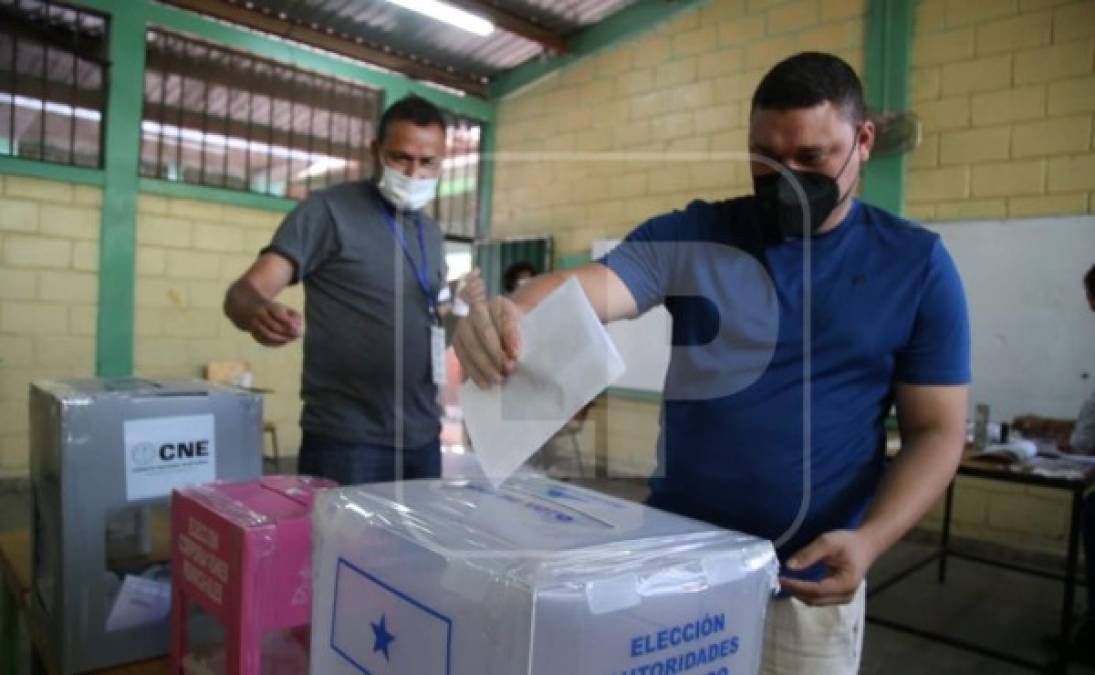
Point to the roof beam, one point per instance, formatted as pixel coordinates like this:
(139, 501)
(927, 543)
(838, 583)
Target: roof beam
(628, 23)
(512, 23)
(331, 42)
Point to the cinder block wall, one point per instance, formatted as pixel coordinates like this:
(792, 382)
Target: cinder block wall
(187, 254)
(49, 257)
(682, 88)
(1005, 89)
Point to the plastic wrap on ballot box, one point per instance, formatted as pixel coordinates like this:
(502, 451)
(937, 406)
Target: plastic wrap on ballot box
(454, 577)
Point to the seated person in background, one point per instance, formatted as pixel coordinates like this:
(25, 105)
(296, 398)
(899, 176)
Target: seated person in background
(1078, 438)
(1082, 438)
(1082, 441)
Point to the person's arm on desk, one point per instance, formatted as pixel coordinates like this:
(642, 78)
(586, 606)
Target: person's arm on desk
(933, 432)
(488, 342)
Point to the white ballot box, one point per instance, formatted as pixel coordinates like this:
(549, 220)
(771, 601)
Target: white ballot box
(455, 577)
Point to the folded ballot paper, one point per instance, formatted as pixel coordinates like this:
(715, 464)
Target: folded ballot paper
(567, 358)
(537, 577)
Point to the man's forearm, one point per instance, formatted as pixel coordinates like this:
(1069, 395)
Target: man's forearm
(536, 289)
(918, 476)
(609, 297)
(241, 302)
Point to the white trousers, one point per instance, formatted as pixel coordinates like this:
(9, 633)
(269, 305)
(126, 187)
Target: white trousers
(804, 640)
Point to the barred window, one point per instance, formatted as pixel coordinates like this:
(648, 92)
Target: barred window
(53, 65)
(217, 117)
(457, 207)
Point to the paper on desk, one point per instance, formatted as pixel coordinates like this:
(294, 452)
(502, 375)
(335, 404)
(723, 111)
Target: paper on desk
(140, 602)
(567, 358)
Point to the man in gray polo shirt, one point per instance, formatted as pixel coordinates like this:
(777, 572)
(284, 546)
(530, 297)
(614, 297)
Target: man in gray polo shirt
(372, 266)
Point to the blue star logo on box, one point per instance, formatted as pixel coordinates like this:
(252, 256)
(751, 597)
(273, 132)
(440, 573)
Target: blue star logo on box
(380, 628)
(382, 639)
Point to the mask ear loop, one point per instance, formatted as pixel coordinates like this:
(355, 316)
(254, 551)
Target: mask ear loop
(847, 160)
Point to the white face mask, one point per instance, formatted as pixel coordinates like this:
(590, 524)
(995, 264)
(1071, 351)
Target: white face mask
(405, 194)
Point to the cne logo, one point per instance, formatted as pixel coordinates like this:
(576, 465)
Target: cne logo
(143, 454)
(170, 452)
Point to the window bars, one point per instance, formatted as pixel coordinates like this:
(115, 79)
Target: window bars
(222, 118)
(53, 69)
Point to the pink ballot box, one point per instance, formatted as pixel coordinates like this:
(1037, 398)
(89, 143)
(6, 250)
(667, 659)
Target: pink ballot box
(241, 571)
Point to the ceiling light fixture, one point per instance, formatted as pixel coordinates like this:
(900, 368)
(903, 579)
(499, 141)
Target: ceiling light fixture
(454, 16)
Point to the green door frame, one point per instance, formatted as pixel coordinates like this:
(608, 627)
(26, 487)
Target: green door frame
(889, 43)
(118, 224)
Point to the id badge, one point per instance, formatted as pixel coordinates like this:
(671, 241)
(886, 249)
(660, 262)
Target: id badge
(437, 354)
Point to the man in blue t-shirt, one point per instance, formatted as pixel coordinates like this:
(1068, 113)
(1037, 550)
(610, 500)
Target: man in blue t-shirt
(800, 317)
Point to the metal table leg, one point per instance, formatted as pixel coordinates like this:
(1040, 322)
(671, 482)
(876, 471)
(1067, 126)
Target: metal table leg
(1070, 579)
(945, 537)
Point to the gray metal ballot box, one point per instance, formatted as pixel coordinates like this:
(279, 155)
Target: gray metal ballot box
(105, 455)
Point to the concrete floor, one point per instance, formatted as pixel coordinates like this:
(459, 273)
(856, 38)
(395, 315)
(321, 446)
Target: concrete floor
(997, 608)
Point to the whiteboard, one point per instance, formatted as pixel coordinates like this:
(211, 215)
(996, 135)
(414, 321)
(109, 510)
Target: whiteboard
(1033, 333)
(644, 343)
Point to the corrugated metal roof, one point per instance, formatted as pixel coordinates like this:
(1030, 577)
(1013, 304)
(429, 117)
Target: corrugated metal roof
(383, 24)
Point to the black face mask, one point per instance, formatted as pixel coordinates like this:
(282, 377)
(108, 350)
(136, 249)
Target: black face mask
(779, 201)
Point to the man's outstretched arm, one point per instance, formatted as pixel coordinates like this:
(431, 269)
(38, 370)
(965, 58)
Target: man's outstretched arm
(488, 342)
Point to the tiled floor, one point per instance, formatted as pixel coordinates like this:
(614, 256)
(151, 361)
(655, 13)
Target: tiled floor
(997, 608)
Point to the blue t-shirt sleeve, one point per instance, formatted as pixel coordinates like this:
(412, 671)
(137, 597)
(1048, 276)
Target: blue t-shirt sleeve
(644, 260)
(938, 352)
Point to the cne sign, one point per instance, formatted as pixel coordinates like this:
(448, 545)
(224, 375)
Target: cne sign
(184, 450)
(166, 453)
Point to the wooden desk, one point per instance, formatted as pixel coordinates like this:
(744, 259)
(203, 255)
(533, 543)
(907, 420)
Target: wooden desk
(997, 471)
(16, 575)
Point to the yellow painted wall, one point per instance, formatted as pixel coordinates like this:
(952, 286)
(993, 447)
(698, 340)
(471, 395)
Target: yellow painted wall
(683, 88)
(187, 254)
(49, 255)
(1005, 89)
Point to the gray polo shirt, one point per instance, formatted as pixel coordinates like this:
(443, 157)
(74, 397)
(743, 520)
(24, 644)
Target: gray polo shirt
(355, 274)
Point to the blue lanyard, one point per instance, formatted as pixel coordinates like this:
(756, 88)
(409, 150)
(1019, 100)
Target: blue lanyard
(421, 274)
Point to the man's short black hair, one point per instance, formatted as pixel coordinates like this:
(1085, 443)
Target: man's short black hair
(1089, 280)
(509, 277)
(808, 79)
(411, 109)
